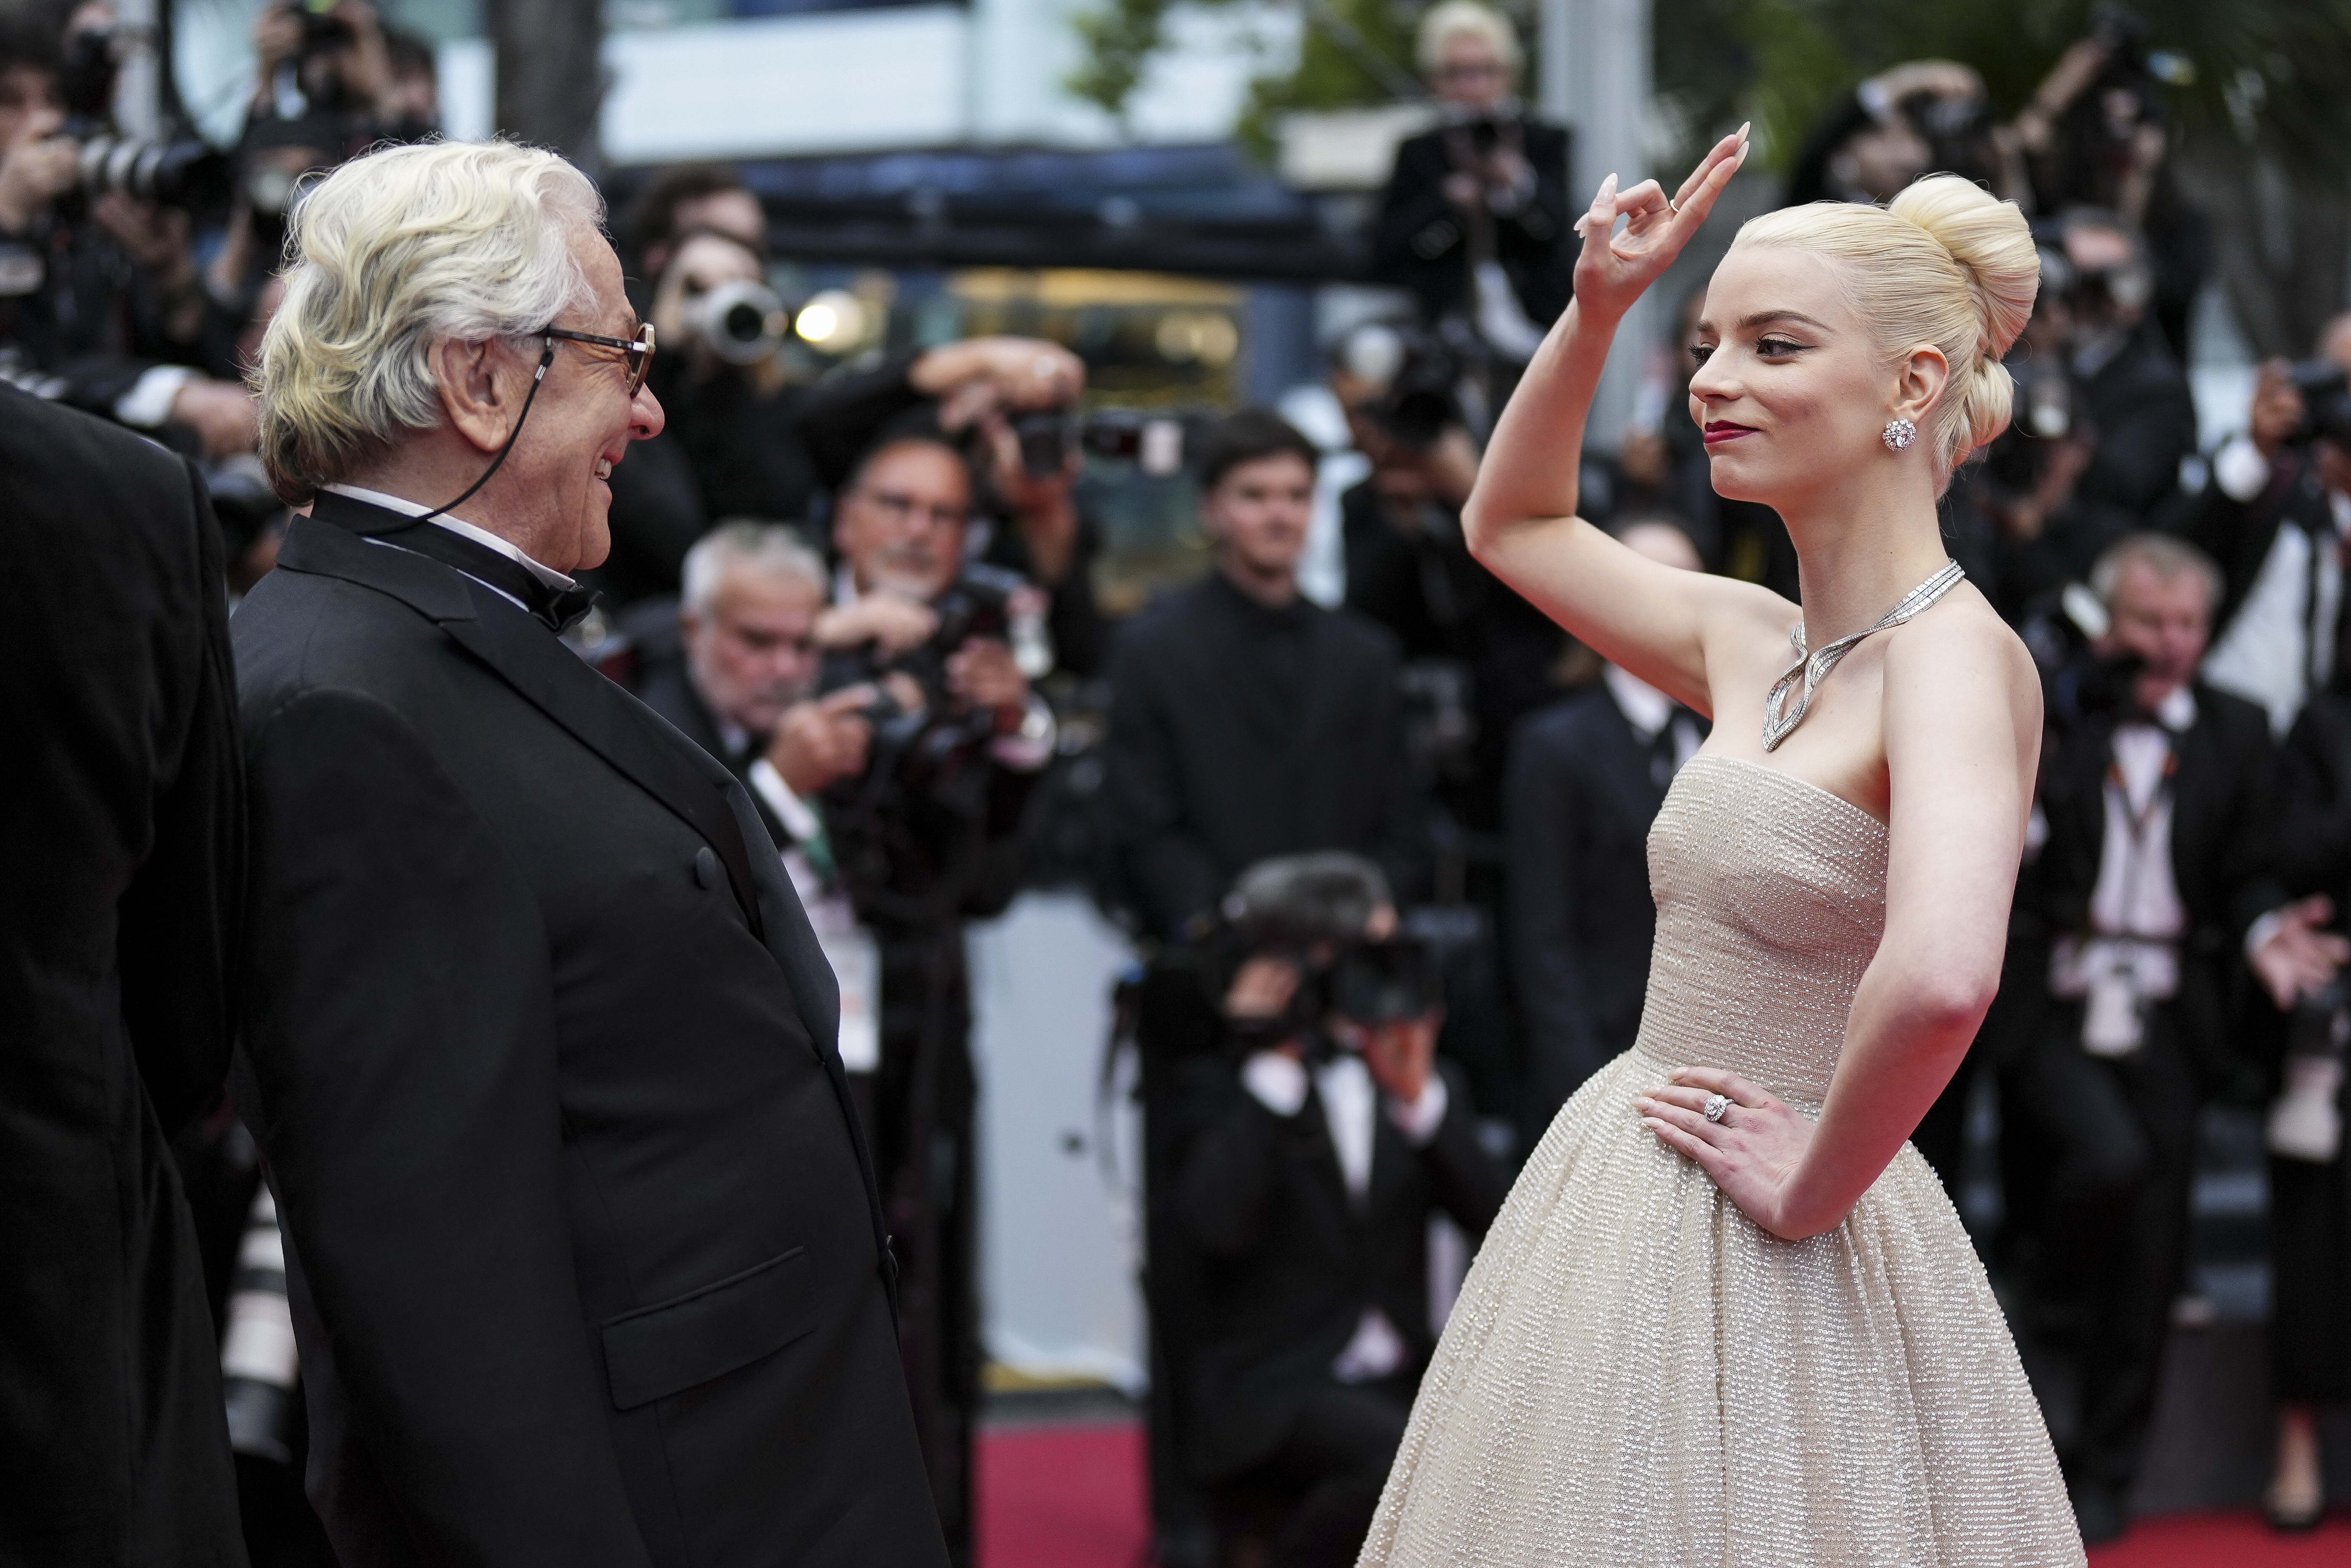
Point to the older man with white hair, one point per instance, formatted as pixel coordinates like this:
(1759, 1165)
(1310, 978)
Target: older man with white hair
(584, 1253)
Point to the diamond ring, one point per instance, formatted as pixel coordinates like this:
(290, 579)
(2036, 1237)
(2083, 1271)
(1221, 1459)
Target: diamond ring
(1716, 1104)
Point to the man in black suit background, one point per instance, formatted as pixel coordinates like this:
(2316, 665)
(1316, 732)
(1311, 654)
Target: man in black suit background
(1475, 220)
(585, 1258)
(2153, 894)
(1247, 721)
(118, 919)
(1586, 777)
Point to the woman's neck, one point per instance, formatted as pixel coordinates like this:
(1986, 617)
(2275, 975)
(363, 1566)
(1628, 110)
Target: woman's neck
(1860, 547)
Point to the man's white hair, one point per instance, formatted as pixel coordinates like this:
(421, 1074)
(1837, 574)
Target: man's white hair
(746, 545)
(1451, 19)
(387, 256)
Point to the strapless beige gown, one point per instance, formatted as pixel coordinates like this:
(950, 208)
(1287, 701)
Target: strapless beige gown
(1636, 1374)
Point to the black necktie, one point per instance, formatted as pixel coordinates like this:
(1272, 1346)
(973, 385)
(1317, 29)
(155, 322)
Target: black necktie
(557, 609)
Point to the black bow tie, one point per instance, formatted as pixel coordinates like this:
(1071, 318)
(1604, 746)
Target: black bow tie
(557, 609)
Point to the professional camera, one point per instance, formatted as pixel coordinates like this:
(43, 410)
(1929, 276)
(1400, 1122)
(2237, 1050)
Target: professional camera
(1153, 442)
(742, 322)
(1421, 377)
(982, 602)
(1313, 911)
(2326, 389)
(188, 173)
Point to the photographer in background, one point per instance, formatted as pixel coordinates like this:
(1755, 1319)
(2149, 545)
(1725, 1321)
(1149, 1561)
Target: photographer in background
(1475, 220)
(2152, 891)
(1309, 1198)
(2275, 517)
(1245, 720)
(2104, 415)
(102, 306)
(2098, 133)
(745, 438)
(1875, 139)
(1035, 526)
(1475, 653)
(926, 836)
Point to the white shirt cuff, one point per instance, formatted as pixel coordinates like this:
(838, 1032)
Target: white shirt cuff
(2258, 935)
(148, 403)
(789, 808)
(1277, 1081)
(2240, 470)
(1419, 1120)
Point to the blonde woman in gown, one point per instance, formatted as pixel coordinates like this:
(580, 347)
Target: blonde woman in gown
(1761, 1339)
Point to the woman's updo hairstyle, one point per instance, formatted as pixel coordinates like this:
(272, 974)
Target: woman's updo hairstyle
(1944, 262)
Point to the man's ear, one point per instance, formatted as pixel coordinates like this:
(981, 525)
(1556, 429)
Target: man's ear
(482, 384)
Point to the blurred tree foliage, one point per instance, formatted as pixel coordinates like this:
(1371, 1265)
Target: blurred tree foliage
(2257, 88)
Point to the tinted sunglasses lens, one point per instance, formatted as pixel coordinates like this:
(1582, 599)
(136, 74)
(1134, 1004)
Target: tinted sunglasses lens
(640, 358)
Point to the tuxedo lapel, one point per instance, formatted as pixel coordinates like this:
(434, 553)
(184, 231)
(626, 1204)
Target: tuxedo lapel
(606, 719)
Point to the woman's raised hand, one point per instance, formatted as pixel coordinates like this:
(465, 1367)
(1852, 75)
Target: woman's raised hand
(1615, 267)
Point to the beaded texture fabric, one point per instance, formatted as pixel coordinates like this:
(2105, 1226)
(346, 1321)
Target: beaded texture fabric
(1637, 1373)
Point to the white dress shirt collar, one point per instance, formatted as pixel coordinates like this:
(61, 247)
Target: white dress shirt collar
(1646, 708)
(459, 527)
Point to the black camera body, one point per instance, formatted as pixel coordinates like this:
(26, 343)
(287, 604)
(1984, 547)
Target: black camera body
(2326, 389)
(1423, 397)
(1313, 911)
(919, 743)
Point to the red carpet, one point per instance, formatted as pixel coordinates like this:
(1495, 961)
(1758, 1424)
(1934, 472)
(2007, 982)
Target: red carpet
(1073, 1496)
(1062, 1497)
(2225, 1541)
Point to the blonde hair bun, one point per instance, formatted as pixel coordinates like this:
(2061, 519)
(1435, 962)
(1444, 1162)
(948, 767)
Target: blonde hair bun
(1944, 262)
(1990, 241)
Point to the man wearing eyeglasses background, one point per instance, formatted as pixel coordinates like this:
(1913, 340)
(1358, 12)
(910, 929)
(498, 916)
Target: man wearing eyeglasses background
(585, 1260)
(927, 838)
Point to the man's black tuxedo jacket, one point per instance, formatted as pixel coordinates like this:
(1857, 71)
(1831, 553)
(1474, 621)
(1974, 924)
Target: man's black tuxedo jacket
(2222, 820)
(1578, 805)
(584, 1257)
(1207, 771)
(121, 805)
(1291, 1261)
(1418, 242)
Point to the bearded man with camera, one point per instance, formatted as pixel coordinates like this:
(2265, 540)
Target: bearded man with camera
(925, 838)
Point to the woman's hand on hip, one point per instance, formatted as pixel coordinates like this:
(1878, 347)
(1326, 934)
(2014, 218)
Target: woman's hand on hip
(1751, 1152)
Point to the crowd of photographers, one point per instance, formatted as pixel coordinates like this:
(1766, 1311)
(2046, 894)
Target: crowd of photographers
(1382, 844)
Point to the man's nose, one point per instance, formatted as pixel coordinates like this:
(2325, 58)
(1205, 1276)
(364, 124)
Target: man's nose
(645, 416)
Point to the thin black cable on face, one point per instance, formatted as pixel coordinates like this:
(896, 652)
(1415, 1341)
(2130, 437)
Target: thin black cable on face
(538, 377)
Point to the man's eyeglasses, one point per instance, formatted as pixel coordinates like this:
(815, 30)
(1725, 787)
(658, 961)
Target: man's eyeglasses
(640, 353)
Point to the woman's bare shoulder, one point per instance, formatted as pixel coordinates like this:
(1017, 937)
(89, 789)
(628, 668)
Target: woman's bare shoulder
(1961, 656)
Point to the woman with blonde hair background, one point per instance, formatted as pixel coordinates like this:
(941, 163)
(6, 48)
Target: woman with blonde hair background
(1727, 1314)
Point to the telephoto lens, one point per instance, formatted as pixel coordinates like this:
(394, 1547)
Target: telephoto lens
(742, 321)
(186, 173)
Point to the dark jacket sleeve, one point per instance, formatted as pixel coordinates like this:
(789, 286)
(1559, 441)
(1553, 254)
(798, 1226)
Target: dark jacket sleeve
(2314, 823)
(1468, 1183)
(840, 414)
(1542, 804)
(404, 1040)
(1400, 843)
(180, 917)
(1231, 1174)
(1166, 866)
(1415, 228)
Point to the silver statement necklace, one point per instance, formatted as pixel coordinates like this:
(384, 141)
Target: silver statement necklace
(1815, 667)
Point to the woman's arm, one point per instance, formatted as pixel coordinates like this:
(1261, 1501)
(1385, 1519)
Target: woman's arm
(1520, 520)
(1959, 752)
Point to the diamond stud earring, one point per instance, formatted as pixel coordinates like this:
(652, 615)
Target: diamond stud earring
(1899, 434)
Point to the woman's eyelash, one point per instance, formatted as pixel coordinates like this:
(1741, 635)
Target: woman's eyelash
(1698, 352)
(1777, 346)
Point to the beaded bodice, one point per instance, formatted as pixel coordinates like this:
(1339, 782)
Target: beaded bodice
(1770, 896)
